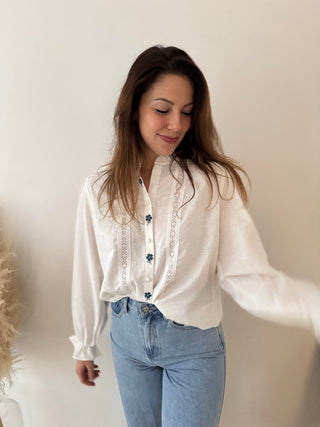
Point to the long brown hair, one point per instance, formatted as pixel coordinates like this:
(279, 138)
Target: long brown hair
(200, 145)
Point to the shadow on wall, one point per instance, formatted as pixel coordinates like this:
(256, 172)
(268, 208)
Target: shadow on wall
(273, 373)
(309, 413)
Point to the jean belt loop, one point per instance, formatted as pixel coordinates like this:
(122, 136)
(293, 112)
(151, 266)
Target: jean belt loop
(125, 304)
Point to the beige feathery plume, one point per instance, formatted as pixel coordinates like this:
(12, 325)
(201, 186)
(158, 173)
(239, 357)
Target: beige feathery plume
(9, 314)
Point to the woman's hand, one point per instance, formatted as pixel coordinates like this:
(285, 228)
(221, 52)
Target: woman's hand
(87, 371)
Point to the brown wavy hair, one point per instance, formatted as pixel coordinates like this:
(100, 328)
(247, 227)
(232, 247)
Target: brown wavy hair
(201, 144)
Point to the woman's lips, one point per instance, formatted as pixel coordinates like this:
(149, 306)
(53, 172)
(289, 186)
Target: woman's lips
(168, 139)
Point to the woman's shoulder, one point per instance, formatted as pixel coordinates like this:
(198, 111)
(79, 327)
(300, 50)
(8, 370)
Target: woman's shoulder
(91, 185)
(94, 180)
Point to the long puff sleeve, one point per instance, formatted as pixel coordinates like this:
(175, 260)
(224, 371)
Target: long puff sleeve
(244, 272)
(88, 310)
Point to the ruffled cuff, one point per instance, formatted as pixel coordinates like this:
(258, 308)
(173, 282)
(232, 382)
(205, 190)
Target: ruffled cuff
(315, 311)
(84, 351)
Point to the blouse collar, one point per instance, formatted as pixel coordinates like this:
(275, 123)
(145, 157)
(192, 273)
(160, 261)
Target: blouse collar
(162, 160)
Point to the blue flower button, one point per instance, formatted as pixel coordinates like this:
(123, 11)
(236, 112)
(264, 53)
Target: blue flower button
(147, 295)
(149, 258)
(148, 218)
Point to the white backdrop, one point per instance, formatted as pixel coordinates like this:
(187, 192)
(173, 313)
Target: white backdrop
(62, 66)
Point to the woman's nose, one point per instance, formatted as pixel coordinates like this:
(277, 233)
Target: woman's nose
(174, 122)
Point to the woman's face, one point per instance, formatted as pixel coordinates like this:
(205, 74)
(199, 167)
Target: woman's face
(165, 115)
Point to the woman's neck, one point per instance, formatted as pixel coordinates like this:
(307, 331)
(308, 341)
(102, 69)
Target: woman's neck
(145, 172)
(146, 167)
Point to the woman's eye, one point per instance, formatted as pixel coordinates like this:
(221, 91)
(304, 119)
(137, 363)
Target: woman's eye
(166, 111)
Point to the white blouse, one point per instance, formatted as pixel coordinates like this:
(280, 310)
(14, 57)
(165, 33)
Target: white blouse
(177, 257)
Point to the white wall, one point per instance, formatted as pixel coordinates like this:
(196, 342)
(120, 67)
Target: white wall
(62, 65)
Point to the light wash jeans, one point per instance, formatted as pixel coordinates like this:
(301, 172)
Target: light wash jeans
(169, 375)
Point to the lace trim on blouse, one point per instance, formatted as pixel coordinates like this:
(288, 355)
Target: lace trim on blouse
(173, 237)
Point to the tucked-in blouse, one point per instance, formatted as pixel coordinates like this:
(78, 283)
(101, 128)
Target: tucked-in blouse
(178, 255)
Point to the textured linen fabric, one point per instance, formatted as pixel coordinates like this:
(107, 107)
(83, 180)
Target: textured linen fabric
(178, 256)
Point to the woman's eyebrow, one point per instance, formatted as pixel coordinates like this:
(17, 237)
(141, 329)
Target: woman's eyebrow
(170, 102)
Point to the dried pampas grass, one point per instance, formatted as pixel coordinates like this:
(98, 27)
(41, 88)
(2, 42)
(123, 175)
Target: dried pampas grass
(9, 314)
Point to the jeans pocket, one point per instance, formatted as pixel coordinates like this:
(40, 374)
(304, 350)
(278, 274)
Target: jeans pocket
(221, 335)
(118, 307)
(177, 325)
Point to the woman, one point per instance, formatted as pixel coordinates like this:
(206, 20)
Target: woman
(159, 230)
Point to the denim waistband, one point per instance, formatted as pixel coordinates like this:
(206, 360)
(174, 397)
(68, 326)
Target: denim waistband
(131, 304)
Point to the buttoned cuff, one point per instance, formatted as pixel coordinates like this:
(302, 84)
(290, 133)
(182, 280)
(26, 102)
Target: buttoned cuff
(84, 351)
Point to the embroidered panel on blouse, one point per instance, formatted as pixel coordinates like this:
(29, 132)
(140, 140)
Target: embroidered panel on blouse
(171, 227)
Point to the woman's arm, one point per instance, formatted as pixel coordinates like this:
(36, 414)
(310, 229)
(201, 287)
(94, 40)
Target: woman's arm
(244, 272)
(88, 310)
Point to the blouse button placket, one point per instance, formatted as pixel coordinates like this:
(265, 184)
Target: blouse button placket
(149, 260)
(149, 247)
